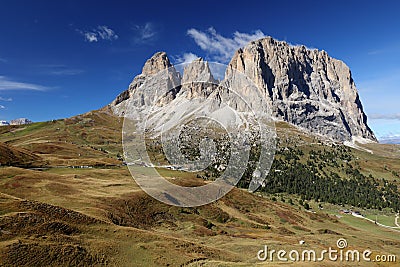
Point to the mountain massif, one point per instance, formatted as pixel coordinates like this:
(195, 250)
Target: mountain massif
(305, 87)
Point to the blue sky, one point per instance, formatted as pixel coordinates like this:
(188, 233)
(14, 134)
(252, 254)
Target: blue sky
(62, 58)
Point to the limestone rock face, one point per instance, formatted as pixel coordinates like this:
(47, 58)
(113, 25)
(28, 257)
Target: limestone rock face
(157, 72)
(197, 80)
(158, 62)
(304, 87)
(198, 70)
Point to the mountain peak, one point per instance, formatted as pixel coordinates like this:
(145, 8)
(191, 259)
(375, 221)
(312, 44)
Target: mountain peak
(197, 70)
(160, 68)
(305, 87)
(158, 62)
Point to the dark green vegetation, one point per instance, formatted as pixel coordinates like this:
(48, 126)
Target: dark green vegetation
(329, 175)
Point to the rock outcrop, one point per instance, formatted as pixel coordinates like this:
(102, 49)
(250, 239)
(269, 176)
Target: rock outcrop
(197, 70)
(140, 99)
(304, 87)
(197, 80)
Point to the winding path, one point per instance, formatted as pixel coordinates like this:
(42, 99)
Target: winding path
(395, 228)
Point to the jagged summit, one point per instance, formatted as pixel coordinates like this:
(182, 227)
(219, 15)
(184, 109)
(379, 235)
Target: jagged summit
(197, 70)
(158, 62)
(305, 87)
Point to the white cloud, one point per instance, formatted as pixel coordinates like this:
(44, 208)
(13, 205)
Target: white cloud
(66, 72)
(394, 116)
(220, 47)
(5, 99)
(99, 33)
(145, 33)
(2, 107)
(299, 45)
(106, 33)
(90, 37)
(375, 52)
(59, 69)
(7, 84)
(186, 58)
(385, 49)
(391, 135)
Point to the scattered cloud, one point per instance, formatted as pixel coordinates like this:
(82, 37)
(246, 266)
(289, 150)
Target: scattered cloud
(2, 107)
(299, 45)
(7, 84)
(67, 72)
(394, 116)
(106, 33)
(389, 138)
(99, 33)
(186, 58)
(5, 99)
(145, 33)
(391, 135)
(375, 52)
(90, 37)
(386, 49)
(59, 70)
(64, 71)
(220, 47)
(51, 66)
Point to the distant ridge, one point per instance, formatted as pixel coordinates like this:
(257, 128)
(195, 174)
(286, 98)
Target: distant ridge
(19, 121)
(390, 140)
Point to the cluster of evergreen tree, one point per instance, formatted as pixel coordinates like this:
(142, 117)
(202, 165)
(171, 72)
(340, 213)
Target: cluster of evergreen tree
(313, 178)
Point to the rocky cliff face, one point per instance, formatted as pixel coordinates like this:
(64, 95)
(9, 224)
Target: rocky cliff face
(198, 70)
(304, 87)
(136, 98)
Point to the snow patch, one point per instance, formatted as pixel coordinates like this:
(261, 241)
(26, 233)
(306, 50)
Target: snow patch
(359, 140)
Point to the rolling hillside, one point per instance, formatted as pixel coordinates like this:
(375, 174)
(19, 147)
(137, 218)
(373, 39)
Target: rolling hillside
(81, 206)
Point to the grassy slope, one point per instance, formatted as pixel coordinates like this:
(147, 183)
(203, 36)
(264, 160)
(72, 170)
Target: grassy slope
(11, 155)
(64, 216)
(90, 139)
